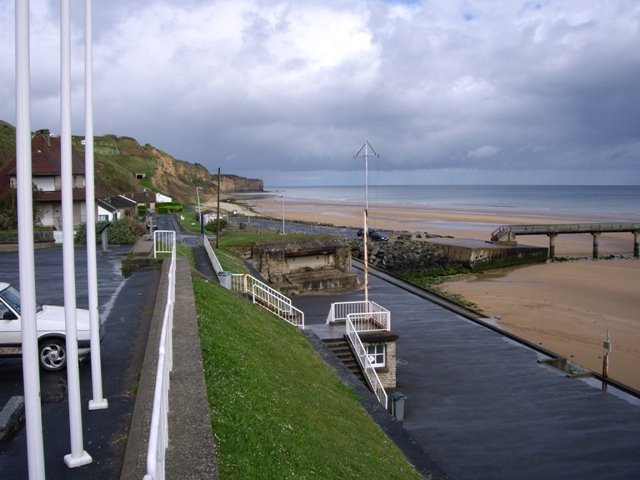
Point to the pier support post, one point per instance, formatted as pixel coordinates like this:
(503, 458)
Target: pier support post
(552, 244)
(596, 237)
(636, 245)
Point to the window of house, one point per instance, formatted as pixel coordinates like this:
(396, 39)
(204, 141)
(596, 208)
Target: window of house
(376, 354)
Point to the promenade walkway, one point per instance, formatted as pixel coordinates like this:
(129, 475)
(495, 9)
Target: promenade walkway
(484, 408)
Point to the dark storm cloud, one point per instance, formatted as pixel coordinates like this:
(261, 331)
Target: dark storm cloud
(491, 91)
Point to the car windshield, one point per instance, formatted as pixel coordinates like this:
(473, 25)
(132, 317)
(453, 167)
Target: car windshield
(11, 297)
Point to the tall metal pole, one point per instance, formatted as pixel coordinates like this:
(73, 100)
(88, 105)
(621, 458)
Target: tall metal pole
(98, 401)
(30, 371)
(366, 176)
(365, 237)
(283, 215)
(78, 456)
(218, 213)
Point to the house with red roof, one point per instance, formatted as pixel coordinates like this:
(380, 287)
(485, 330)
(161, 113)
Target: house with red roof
(46, 177)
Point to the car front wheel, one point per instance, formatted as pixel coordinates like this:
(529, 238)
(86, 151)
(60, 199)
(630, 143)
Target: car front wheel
(53, 355)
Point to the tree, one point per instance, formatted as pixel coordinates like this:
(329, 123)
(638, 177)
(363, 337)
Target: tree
(212, 225)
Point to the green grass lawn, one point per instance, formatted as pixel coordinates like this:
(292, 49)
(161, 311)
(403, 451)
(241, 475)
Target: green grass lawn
(230, 262)
(277, 410)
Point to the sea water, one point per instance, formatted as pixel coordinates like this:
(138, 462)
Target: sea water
(604, 201)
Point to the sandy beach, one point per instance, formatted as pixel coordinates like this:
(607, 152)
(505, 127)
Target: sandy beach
(566, 307)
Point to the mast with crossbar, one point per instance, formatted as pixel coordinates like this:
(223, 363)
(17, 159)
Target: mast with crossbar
(366, 147)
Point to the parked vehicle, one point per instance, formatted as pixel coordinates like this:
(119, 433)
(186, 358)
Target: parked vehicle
(51, 330)
(373, 234)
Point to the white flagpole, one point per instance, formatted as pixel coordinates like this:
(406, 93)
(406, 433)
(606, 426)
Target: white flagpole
(30, 372)
(98, 401)
(78, 456)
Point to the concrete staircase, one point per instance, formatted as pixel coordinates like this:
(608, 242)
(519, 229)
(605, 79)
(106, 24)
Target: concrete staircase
(340, 347)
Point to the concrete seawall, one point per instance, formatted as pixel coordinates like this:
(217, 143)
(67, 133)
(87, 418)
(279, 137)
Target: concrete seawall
(480, 255)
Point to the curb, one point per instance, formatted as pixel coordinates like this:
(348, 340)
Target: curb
(11, 416)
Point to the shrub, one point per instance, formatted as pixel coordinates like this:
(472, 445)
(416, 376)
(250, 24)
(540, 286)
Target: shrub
(124, 231)
(212, 225)
(168, 207)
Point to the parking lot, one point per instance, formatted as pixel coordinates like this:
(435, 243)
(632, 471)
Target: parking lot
(126, 306)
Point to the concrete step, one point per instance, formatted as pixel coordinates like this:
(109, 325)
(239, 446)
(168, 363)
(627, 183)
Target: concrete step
(342, 350)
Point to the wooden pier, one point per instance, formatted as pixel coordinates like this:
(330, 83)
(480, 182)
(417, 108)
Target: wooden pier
(508, 233)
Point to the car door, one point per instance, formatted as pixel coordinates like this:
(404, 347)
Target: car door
(10, 327)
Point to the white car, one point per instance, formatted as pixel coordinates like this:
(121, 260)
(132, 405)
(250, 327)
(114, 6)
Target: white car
(51, 330)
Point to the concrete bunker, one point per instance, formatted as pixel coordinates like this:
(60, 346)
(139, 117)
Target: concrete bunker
(306, 266)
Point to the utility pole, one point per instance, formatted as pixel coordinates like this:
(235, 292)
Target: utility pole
(218, 213)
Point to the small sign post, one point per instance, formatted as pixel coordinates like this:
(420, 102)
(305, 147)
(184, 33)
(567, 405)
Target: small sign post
(606, 346)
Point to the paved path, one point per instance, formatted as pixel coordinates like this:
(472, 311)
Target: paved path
(483, 407)
(126, 306)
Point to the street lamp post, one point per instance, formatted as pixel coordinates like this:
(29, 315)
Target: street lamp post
(283, 215)
(199, 210)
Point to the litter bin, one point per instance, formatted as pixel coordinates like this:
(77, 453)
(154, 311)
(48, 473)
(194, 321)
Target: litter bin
(225, 279)
(397, 405)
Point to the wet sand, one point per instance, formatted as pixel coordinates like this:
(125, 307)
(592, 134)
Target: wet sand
(566, 307)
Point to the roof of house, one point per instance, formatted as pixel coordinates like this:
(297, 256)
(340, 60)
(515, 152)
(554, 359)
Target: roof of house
(142, 197)
(120, 201)
(106, 205)
(46, 157)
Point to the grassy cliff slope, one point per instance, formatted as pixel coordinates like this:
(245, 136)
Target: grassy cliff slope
(122, 165)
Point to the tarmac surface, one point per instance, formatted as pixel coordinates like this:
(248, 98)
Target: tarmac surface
(479, 404)
(483, 407)
(126, 306)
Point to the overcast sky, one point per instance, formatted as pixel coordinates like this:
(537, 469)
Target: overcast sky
(446, 91)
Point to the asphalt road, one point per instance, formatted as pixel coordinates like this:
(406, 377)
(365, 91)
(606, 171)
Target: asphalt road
(126, 307)
(293, 227)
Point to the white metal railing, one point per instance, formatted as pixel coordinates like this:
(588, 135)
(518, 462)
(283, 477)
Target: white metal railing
(159, 432)
(215, 263)
(238, 282)
(268, 298)
(164, 241)
(365, 363)
(261, 293)
(368, 315)
(369, 321)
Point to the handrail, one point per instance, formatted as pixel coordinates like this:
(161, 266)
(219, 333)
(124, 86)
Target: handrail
(252, 281)
(370, 321)
(159, 432)
(262, 294)
(164, 241)
(363, 359)
(341, 310)
(284, 310)
(215, 263)
(238, 282)
(268, 298)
